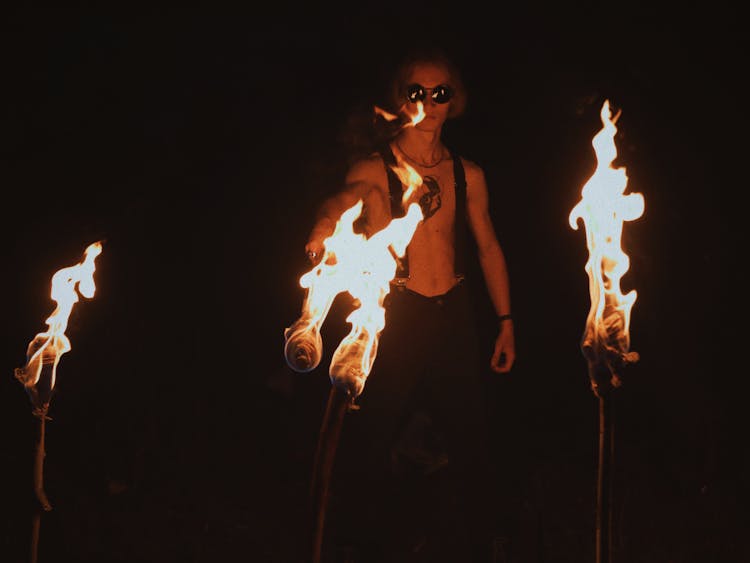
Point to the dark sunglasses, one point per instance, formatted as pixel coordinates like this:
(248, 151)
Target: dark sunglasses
(440, 94)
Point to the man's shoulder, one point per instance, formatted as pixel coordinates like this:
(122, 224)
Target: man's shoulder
(471, 166)
(473, 171)
(369, 163)
(370, 168)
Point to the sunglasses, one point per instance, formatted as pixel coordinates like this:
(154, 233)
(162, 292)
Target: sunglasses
(440, 94)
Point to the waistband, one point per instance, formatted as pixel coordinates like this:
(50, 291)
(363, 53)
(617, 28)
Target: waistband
(401, 289)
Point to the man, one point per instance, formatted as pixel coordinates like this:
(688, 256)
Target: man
(414, 457)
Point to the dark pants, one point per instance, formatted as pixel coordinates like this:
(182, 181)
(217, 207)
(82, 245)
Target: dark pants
(412, 471)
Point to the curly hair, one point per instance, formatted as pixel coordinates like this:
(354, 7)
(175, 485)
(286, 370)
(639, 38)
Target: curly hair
(427, 55)
(364, 130)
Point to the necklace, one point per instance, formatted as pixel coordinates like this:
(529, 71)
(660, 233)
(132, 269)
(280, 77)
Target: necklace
(417, 162)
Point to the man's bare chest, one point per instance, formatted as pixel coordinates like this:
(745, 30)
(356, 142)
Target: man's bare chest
(437, 198)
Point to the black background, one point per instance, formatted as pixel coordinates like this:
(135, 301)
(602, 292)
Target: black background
(196, 144)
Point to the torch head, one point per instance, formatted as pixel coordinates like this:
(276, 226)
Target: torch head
(607, 361)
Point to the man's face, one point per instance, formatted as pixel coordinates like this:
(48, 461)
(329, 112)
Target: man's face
(435, 88)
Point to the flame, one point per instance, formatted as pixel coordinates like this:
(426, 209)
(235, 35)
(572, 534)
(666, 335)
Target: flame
(363, 267)
(417, 117)
(46, 348)
(388, 116)
(603, 208)
(413, 118)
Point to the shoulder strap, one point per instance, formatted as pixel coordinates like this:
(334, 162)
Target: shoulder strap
(460, 185)
(395, 187)
(396, 191)
(461, 225)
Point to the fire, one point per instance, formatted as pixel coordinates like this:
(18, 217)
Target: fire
(46, 348)
(413, 119)
(603, 208)
(417, 117)
(363, 267)
(388, 116)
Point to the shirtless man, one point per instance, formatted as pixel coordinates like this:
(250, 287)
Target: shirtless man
(421, 410)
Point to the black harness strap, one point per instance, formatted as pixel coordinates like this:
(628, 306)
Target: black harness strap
(395, 187)
(461, 224)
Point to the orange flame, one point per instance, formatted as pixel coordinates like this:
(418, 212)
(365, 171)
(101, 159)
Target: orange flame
(364, 267)
(603, 208)
(413, 119)
(388, 116)
(47, 347)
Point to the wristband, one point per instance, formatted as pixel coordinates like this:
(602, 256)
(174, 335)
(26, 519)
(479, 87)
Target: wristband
(502, 318)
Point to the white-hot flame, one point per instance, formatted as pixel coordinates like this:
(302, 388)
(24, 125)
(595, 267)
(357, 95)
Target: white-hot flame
(603, 208)
(47, 347)
(417, 117)
(363, 267)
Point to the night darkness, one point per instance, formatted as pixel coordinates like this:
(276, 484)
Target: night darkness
(195, 145)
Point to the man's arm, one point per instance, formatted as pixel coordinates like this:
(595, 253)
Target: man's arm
(366, 181)
(493, 264)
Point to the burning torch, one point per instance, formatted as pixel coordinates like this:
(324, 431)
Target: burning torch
(43, 356)
(606, 339)
(363, 267)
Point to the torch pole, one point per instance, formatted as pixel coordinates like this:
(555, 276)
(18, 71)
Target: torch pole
(41, 415)
(339, 401)
(604, 487)
(36, 522)
(43, 504)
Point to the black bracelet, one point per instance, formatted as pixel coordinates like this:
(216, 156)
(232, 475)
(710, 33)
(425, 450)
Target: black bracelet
(501, 318)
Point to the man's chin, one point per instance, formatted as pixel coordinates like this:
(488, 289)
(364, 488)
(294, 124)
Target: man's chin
(428, 124)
